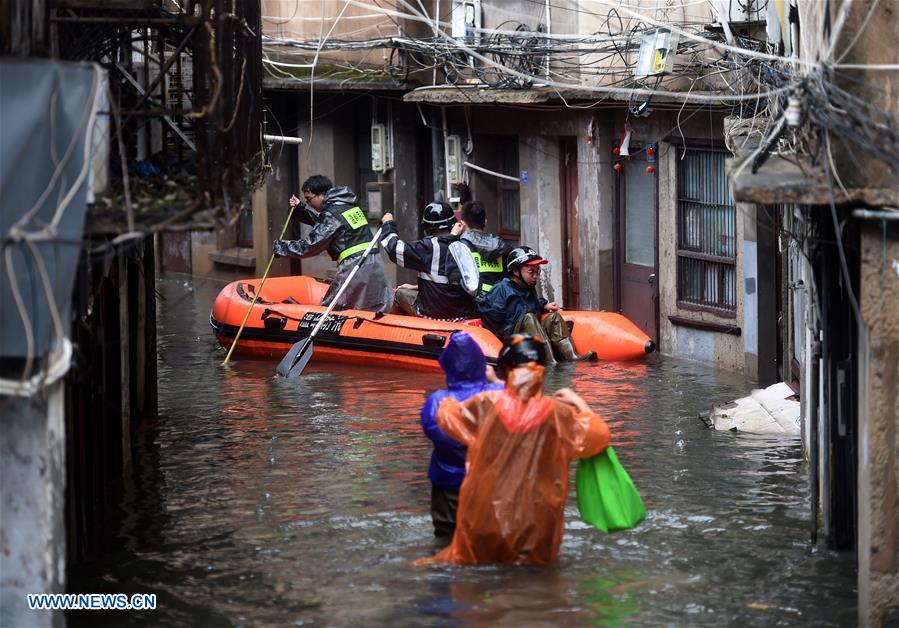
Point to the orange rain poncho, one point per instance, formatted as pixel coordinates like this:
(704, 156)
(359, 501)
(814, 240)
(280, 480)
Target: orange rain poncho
(520, 444)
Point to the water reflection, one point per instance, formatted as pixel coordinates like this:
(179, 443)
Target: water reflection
(262, 501)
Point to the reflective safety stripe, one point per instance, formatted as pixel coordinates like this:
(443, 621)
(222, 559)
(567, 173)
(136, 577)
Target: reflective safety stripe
(358, 248)
(486, 266)
(355, 217)
(486, 287)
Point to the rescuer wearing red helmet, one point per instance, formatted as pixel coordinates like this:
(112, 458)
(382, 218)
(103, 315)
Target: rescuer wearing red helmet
(513, 306)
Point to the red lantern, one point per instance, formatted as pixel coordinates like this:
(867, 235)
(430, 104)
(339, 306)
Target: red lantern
(616, 151)
(617, 167)
(650, 169)
(650, 151)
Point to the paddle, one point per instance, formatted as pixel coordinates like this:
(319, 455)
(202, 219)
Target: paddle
(259, 291)
(301, 352)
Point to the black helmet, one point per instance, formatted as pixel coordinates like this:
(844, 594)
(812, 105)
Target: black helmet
(522, 255)
(438, 216)
(519, 349)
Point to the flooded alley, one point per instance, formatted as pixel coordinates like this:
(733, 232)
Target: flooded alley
(258, 500)
(702, 195)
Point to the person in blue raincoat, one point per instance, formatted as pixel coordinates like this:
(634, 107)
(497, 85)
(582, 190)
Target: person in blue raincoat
(465, 367)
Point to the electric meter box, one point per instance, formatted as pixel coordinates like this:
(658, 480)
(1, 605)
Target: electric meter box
(466, 19)
(378, 198)
(454, 158)
(381, 149)
(656, 53)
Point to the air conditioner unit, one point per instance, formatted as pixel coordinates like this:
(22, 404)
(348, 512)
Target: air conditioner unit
(454, 159)
(381, 149)
(657, 53)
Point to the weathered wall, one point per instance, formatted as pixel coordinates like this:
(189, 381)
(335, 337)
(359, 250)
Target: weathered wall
(32, 490)
(275, 195)
(878, 459)
(329, 148)
(596, 212)
(746, 214)
(541, 215)
(856, 167)
(318, 20)
(409, 181)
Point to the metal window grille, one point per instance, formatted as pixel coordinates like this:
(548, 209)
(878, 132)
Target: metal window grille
(508, 192)
(706, 233)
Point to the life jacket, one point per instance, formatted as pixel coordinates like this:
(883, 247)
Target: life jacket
(488, 251)
(340, 204)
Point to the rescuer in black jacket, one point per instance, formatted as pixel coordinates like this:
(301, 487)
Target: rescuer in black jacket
(340, 227)
(447, 274)
(487, 249)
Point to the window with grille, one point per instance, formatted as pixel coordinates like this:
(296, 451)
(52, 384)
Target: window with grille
(706, 233)
(507, 191)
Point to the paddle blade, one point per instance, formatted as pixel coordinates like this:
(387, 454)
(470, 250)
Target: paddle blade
(302, 360)
(294, 356)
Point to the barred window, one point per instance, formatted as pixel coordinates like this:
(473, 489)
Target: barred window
(706, 233)
(507, 191)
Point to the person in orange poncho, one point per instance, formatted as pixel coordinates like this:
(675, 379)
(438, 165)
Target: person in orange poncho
(520, 444)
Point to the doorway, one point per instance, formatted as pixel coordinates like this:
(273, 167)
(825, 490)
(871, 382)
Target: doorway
(571, 276)
(636, 215)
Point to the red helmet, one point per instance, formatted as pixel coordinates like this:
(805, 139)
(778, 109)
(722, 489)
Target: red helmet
(521, 255)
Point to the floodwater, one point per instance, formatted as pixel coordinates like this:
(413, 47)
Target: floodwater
(263, 501)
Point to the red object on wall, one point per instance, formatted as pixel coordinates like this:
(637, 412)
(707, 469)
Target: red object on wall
(617, 167)
(650, 169)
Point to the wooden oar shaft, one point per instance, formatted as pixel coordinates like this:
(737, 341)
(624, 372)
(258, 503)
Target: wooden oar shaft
(258, 292)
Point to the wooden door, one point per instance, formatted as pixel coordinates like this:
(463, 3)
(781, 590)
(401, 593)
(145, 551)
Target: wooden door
(571, 277)
(636, 255)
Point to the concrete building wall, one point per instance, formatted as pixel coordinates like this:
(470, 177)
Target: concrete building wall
(746, 214)
(541, 223)
(409, 182)
(336, 19)
(596, 213)
(878, 460)
(270, 209)
(32, 490)
(329, 148)
(541, 214)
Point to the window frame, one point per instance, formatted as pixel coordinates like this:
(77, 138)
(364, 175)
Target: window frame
(505, 185)
(720, 309)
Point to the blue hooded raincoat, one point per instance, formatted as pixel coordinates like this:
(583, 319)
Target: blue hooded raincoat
(464, 364)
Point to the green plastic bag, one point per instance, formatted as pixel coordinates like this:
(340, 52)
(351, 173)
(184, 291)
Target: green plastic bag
(606, 496)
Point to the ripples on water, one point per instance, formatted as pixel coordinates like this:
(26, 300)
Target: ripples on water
(258, 501)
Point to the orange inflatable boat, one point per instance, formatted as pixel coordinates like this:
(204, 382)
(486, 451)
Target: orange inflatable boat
(287, 310)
